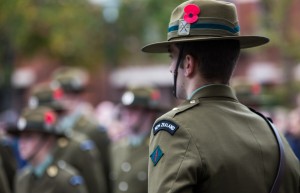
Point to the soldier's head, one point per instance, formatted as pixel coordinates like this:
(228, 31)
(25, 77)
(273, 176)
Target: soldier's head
(45, 94)
(37, 132)
(204, 42)
(140, 107)
(74, 82)
(71, 79)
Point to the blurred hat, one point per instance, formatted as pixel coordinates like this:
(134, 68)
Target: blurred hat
(203, 20)
(70, 79)
(46, 95)
(249, 93)
(147, 98)
(40, 119)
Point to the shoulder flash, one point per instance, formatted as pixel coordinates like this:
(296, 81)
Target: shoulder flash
(165, 125)
(76, 180)
(87, 145)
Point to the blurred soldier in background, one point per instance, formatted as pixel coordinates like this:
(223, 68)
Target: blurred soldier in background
(248, 93)
(73, 147)
(79, 114)
(4, 185)
(293, 131)
(38, 132)
(130, 154)
(8, 163)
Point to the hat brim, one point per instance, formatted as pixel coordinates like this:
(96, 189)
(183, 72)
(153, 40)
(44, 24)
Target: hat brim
(245, 42)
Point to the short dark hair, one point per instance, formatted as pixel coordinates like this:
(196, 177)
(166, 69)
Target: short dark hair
(216, 59)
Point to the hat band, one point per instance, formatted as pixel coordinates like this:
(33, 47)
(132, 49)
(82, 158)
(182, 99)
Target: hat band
(38, 126)
(205, 29)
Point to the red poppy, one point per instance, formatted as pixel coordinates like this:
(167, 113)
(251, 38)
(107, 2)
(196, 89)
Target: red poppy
(191, 13)
(50, 118)
(58, 93)
(155, 95)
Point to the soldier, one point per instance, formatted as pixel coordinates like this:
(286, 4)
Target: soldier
(73, 147)
(38, 133)
(8, 161)
(79, 114)
(4, 185)
(212, 142)
(130, 154)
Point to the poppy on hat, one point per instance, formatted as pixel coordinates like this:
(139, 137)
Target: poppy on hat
(147, 98)
(40, 119)
(71, 79)
(47, 95)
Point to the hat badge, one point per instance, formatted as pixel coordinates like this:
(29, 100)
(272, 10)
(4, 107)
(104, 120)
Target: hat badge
(191, 15)
(22, 123)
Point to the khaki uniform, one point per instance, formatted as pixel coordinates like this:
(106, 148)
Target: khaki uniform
(4, 187)
(213, 143)
(9, 162)
(82, 154)
(57, 178)
(89, 128)
(130, 166)
(74, 81)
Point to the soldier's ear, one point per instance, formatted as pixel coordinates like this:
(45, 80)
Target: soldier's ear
(189, 65)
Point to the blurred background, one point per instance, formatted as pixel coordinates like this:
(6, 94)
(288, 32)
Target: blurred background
(105, 37)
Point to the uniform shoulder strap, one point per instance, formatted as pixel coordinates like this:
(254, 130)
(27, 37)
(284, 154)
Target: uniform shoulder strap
(280, 171)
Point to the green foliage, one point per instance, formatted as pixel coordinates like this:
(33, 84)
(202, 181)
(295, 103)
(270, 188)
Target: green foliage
(279, 28)
(75, 32)
(69, 31)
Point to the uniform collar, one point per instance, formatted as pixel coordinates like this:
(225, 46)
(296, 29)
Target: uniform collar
(214, 90)
(39, 170)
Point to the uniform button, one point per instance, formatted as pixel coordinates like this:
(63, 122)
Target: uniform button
(52, 171)
(123, 186)
(126, 167)
(62, 142)
(192, 101)
(61, 164)
(142, 176)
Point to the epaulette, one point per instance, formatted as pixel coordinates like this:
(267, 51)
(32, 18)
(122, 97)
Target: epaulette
(185, 106)
(75, 179)
(166, 122)
(77, 136)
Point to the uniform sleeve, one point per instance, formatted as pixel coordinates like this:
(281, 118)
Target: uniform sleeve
(174, 161)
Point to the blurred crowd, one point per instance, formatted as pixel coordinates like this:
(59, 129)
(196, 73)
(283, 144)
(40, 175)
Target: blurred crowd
(60, 141)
